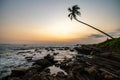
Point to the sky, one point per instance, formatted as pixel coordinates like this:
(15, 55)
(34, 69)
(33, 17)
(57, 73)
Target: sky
(47, 22)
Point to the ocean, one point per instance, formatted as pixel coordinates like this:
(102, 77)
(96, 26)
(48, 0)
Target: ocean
(14, 55)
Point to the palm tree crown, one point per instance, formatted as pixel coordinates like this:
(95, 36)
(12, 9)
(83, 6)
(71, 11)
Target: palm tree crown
(74, 11)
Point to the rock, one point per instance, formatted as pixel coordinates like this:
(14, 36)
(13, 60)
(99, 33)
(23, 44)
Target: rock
(61, 74)
(55, 54)
(107, 76)
(60, 49)
(72, 50)
(105, 54)
(21, 52)
(18, 72)
(82, 50)
(44, 75)
(66, 48)
(50, 58)
(118, 72)
(51, 78)
(88, 49)
(91, 70)
(14, 78)
(43, 63)
(37, 50)
(51, 49)
(35, 77)
(47, 49)
(78, 69)
(28, 58)
(57, 64)
(47, 70)
(66, 65)
(63, 66)
(35, 69)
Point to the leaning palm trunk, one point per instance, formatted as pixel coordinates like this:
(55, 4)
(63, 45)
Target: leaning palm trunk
(74, 11)
(93, 28)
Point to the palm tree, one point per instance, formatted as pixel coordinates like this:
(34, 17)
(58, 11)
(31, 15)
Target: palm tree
(74, 11)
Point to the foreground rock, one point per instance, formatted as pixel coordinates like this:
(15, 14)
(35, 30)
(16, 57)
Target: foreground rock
(34, 71)
(18, 72)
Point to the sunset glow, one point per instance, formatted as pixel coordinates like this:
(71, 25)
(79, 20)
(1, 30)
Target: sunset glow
(44, 21)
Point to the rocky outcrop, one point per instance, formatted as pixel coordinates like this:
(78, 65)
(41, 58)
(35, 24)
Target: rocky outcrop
(88, 49)
(103, 66)
(34, 72)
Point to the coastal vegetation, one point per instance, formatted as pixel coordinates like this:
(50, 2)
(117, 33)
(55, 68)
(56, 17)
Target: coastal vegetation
(111, 45)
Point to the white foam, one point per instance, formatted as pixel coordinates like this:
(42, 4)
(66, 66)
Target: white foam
(55, 70)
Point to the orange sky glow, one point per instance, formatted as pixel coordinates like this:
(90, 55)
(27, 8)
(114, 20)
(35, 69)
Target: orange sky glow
(44, 21)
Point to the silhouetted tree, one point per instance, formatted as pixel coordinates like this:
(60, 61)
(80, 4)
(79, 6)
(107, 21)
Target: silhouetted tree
(74, 11)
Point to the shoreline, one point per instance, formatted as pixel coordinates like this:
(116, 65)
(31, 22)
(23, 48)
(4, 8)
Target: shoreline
(90, 63)
(103, 66)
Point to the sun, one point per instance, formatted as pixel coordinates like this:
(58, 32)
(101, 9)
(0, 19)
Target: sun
(61, 31)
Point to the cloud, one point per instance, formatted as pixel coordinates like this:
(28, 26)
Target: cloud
(96, 36)
(118, 29)
(116, 33)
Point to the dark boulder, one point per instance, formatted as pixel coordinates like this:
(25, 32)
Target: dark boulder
(88, 49)
(43, 63)
(82, 50)
(55, 54)
(28, 58)
(61, 74)
(18, 72)
(50, 58)
(14, 78)
(47, 70)
(66, 48)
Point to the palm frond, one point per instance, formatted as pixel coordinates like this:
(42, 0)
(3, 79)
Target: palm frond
(75, 7)
(74, 16)
(69, 15)
(69, 9)
(77, 12)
